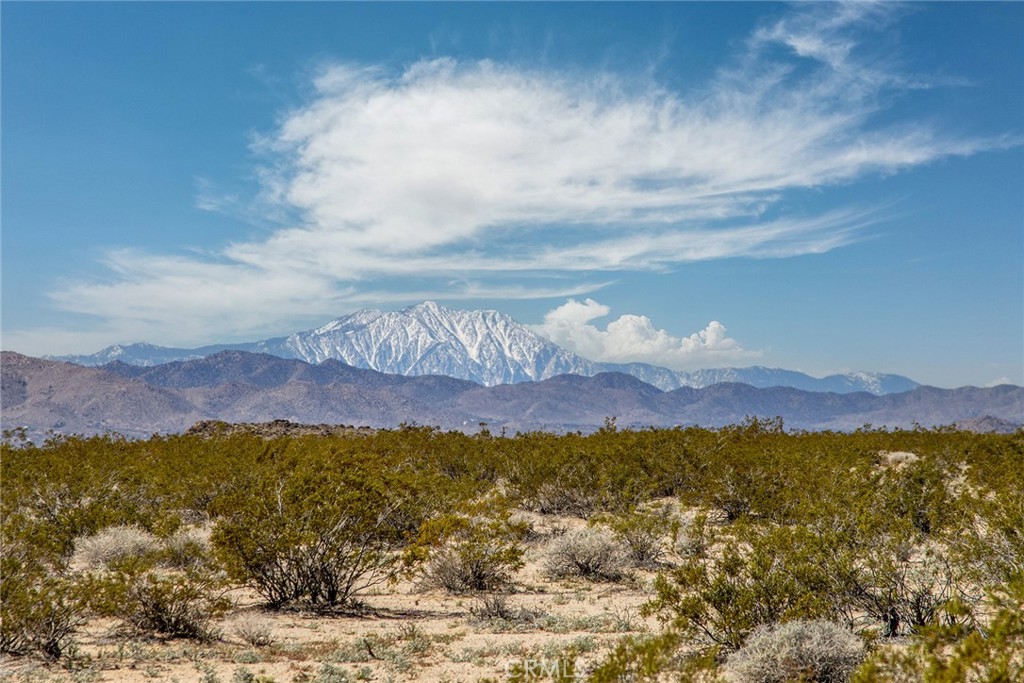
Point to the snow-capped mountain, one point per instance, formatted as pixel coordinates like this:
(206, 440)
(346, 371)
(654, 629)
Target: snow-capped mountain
(427, 339)
(486, 347)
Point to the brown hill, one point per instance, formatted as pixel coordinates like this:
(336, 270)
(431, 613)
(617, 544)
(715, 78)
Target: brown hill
(236, 386)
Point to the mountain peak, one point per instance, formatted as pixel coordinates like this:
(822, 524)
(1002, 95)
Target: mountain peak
(483, 346)
(427, 306)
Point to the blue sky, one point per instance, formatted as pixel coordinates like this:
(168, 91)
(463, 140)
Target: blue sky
(823, 187)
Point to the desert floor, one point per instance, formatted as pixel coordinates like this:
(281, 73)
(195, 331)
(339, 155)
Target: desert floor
(405, 633)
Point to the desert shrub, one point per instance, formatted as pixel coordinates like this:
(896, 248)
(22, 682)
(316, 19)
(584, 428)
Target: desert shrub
(650, 659)
(810, 651)
(328, 673)
(320, 530)
(253, 631)
(38, 612)
(498, 607)
(919, 492)
(989, 545)
(574, 475)
(885, 574)
(151, 601)
(905, 588)
(586, 553)
(745, 472)
(718, 599)
(694, 537)
(112, 545)
(958, 653)
(476, 548)
(642, 533)
(187, 548)
(73, 487)
(462, 570)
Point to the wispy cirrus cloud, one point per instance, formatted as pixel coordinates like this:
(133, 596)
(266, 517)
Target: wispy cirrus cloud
(455, 178)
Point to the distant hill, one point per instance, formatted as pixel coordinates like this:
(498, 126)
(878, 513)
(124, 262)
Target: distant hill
(485, 347)
(237, 386)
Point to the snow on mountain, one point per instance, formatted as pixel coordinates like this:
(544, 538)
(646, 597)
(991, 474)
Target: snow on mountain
(141, 354)
(427, 339)
(486, 347)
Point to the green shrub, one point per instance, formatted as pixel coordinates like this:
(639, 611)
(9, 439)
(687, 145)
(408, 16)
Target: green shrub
(477, 548)
(575, 475)
(643, 533)
(320, 530)
(38, 612)
(173, 604)
(958, 654)
(989, 545)
(650, 659)
(719, 598)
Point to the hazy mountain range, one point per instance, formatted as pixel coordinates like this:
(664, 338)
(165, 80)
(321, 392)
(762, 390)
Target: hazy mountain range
(485, 347)
(238, 386)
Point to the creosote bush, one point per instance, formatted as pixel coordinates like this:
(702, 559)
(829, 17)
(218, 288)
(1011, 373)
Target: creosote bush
(476, 548)
(798, 526)
(175, 604)
(319, 530)
(719, 598)
(39, 613)
(590, 553)
(944, 653)
(807, 651)
(642, 533)
(188, 548)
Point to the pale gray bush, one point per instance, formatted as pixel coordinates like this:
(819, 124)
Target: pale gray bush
(253, 630)
(113, 544)
(588, 553)
(811, 651)
(458, 573)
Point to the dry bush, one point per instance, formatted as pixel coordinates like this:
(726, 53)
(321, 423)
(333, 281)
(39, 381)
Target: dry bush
(588, 553)
(897, 458)
(811, 651)
(112, 545)
(455, 572)
(498, 607)
(694, 537)
(253, 630)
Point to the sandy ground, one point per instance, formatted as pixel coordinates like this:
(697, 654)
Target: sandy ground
(406, 634)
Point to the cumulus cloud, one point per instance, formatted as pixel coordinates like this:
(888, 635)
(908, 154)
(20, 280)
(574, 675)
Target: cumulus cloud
(456, 178)
(634, 338)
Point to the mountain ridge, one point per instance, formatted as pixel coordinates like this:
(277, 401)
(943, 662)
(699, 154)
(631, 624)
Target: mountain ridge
(483, 346)
(242, 387)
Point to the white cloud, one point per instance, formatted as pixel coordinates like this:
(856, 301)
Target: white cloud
(633, 338)
(473, 173)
